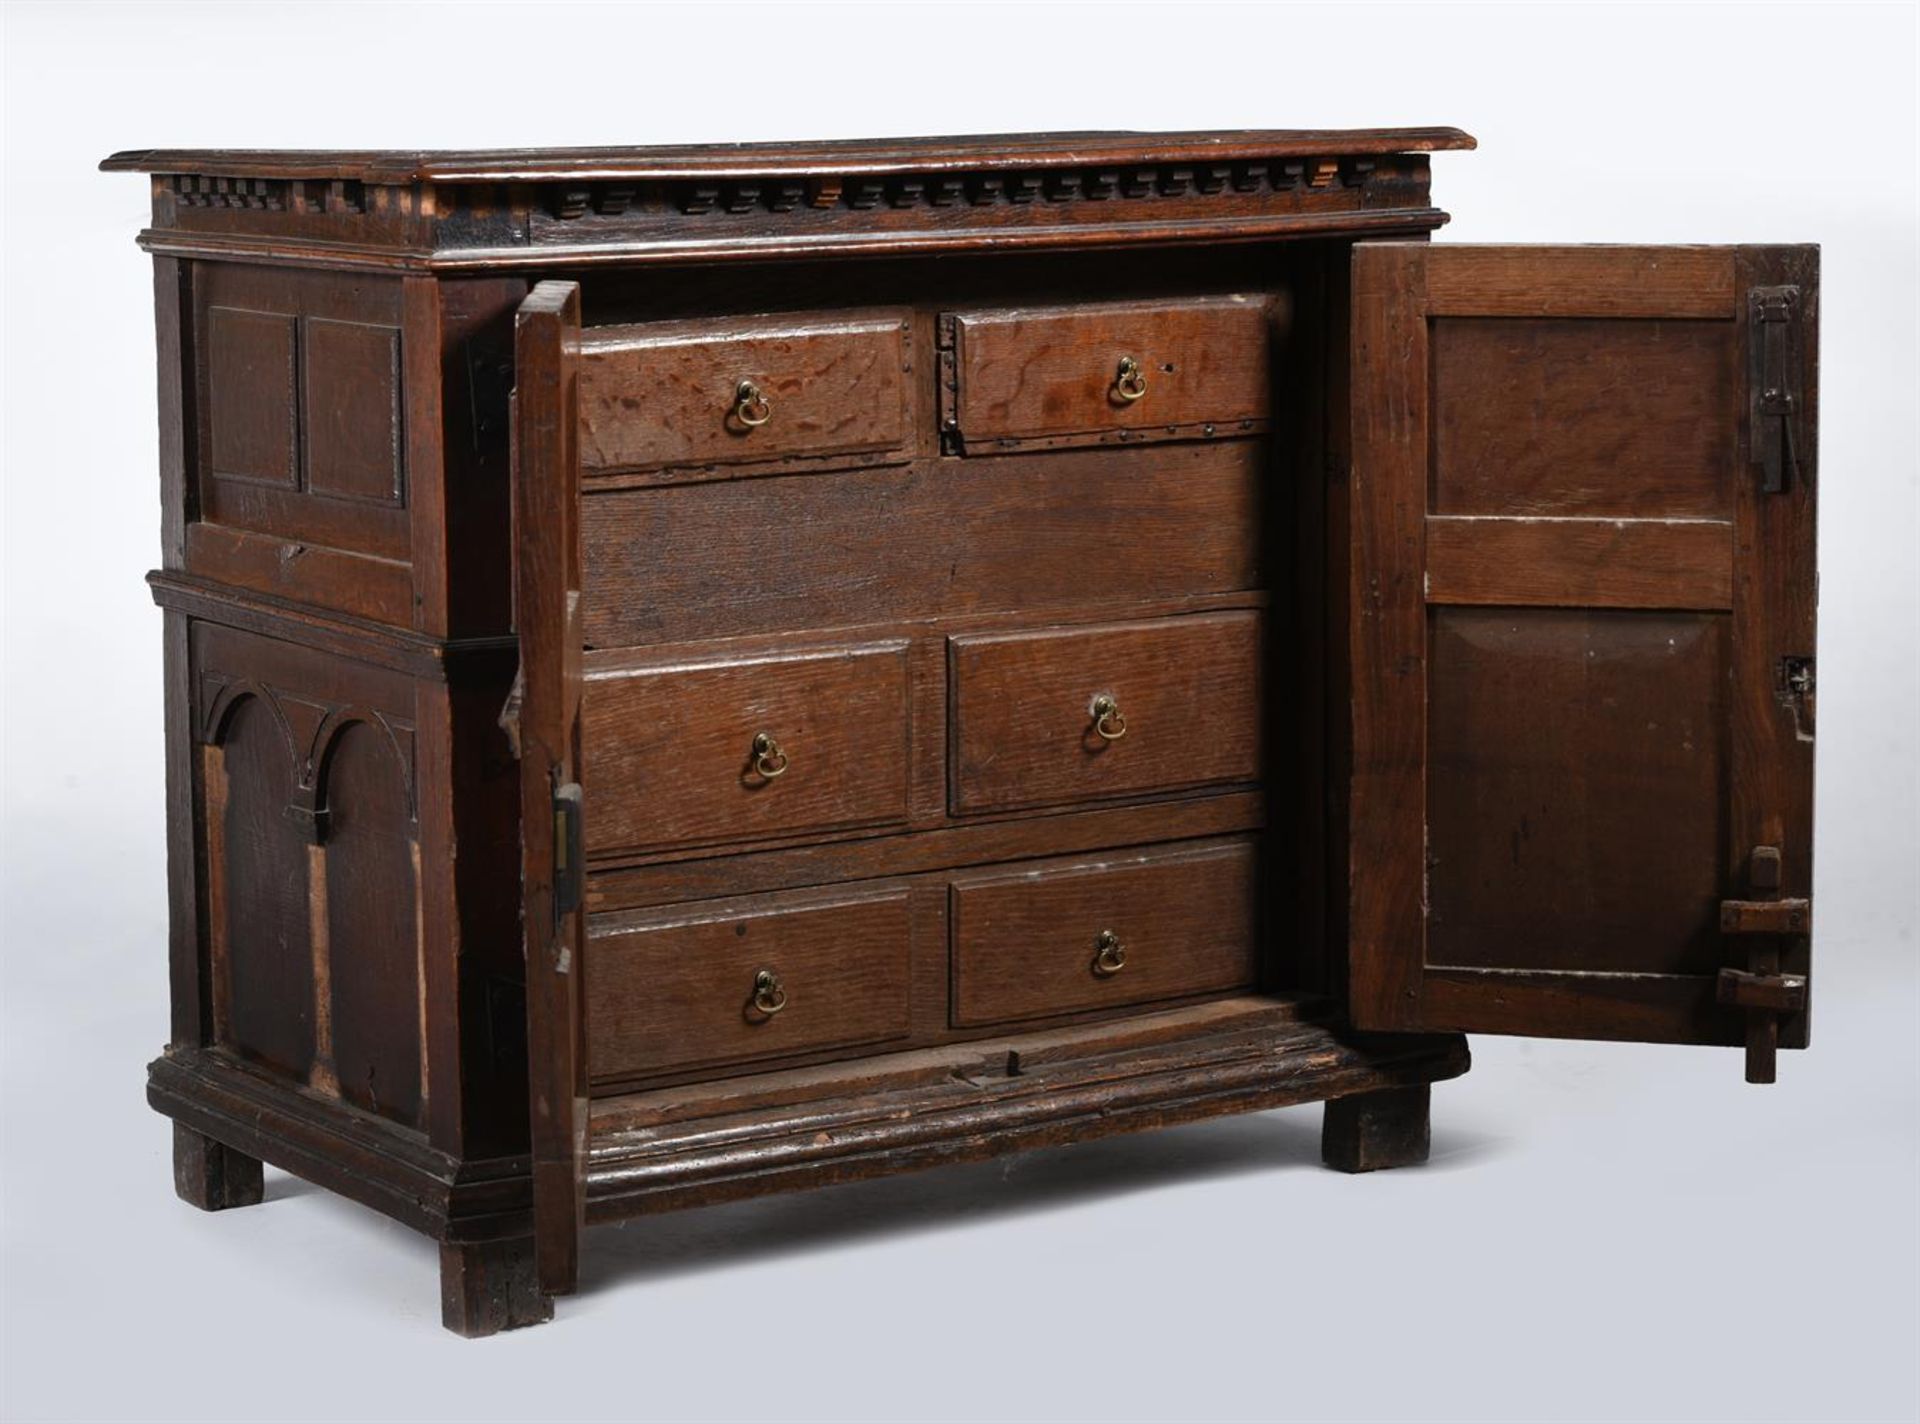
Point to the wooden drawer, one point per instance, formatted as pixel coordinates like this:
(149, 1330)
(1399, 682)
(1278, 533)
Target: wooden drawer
(683, 987)
(669, 394)
(1199, 366)
(1026, 710)
(673, 756)
(1058, 937)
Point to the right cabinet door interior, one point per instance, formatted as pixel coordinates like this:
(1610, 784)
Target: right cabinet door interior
(1582, 618)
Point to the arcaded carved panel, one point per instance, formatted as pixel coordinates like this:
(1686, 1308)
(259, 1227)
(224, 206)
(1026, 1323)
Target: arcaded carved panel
(353, 410)
(252, 384)
(311, 847)
(314, 698)
(373, 941)
(258, 895)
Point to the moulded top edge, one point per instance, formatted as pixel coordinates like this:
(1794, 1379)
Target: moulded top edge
(784, 160)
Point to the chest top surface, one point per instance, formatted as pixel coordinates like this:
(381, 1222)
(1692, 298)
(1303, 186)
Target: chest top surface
(457, 210)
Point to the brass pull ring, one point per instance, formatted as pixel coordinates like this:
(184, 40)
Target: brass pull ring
(751, 406)
(768, 759)
(769, 997)
(1131, 382)
(1108, 720)
(1110, 955)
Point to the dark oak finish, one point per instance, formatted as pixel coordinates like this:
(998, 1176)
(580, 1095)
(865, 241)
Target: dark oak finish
(1580, 563)
(685, 988)
(1032, 940)
(542, 719)
(1098, 371)
(1572, 655)
(656, 1151)
(671, 750)
(692, 673)
(211, 1176)
(1027, 724)
(667, 395)
(579, 208)
(1371, 1131)
(1019, 534)
(490, 1286)
(766, 160)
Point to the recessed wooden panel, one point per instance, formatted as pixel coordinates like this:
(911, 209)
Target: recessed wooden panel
(1027, 938)
(373, 944)
(676, 988)
(1028, 372)
(667, 394)
(353, 410)
(1577, 789)
(1560, 416)
(297, 417)
(1024, 721)
(263, 953)
(939, 538)
(252, 391)
(669, 751)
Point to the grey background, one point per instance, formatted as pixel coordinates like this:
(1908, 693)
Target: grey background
(1606, 1231)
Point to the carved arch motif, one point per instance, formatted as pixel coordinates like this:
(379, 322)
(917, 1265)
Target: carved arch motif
(311, 729)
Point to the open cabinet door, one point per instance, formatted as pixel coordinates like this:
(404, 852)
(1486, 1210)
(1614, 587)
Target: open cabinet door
(1582, 610)
(546, 614)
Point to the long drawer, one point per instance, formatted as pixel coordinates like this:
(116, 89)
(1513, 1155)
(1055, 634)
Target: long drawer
(703, 985)
(1101, 932)
(1060, 715)
(747, 748)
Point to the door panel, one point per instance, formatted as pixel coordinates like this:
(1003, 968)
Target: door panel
(1528, 709)
(1583, 640)
(1568, 416)
(544, 721)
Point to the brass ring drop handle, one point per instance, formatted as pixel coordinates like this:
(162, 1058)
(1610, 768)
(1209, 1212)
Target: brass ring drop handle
(1110, 955)
(1108, 720)
(751, 406)
(1130, 383)
(769, 997)
(768, 759)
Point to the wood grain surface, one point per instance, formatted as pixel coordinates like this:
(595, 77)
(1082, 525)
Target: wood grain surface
(1024, 372)
(669, 751)
(1026, 938)
(666, 394)
(676, 989)
(1023, 719)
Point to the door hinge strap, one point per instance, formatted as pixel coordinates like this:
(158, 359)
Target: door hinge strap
(1773, 379)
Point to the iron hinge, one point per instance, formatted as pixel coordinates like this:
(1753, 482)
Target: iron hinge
(1774, 383)
(569, 850)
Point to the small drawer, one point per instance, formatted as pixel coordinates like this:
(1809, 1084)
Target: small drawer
(689, 394)
(748, 749)
(1119, 709)
(1059, 937)
(699, 985)
(1196, 366)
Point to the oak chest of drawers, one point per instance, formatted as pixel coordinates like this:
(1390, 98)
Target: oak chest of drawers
(698, 673)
